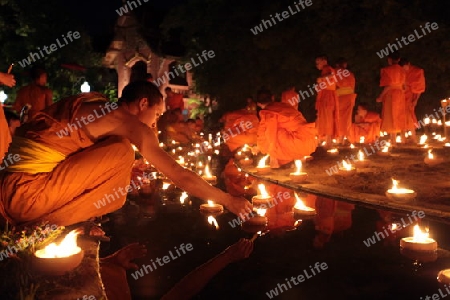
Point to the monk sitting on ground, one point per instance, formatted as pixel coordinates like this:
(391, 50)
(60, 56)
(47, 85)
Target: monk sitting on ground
(283, 132)
(367, 124)
(60, 177)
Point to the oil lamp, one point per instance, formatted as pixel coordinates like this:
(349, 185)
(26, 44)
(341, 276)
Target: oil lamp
(347, 169)
(260, 219)
(333, 152)
(211, 207)
(431, 160)
(301, 210)
(298, 176)
(262, 168)
(420, 241)
(362, 161)
(400, 194)
(211, 179)
(263, 198)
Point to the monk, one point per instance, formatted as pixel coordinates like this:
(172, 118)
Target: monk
(173, 100)
(240, 127)
(367, 124)
(347, 96)
(414, 87)
(36, 95)
(60, 177)
(393, 115)
(283, 132)
(291, 97)
(327, 102)
(5, 135)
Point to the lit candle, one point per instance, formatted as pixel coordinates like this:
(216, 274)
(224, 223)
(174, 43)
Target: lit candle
(298, 176)
(260, 219)
(180, 160)
(211, 179)
(300, 209)
(431, 160)
(263, 198)
(423, 139)
(362, 139)
(333, 152)
(420, 241)
(400, 194)
(352, 146)
(211, 207)
(262, 168)
(347, 169)
(361, 162)
(183, 197)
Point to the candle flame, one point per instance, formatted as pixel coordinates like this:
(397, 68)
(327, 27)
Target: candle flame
(262, 162)
(165, 185)
(385, 149)
(210, 202)
(213, 221)
(394, 185)
(180, 160)
(346, 165)
(298, 165)
(423, 139)
(430, 155)
(360, 155)
(352, 146)
(419, 236)
(67, 247)
(134, 148)
(207, 172)
(362, 140)
(261, 212)
(398, 139)
(300, 205)
(183, 197)
(245, 148)
(426, 121)
(262, 190)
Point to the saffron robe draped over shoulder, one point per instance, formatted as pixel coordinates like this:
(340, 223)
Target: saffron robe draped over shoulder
(5, 135)
(394, 106)
(347, 96)
(415, 85)
(240, 128)
(73, 190)
(369, 128)
(284, 133)
(327, 105)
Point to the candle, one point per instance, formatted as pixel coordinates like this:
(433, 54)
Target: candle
(431, 160)
(262, 168)
(211, 207)
(420, 241)
(444, 276)
(400, 194)
(263, 198)
(362, 139)
(385, 150)
(333, 152)
(362, 161)
(398, 139)
(347, 169)
(301, 210)
(423, 139)
(180, 160)
(183, 197)
(352, 146)
(260, 219)
(298, 176)
(211, 179)
(56, 259)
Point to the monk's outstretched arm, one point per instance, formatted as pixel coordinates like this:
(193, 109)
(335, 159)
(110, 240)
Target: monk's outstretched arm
(195, 281)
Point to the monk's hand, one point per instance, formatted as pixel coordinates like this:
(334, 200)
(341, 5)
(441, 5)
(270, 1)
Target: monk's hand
(240, 250)
(239, 205)
(7, 79)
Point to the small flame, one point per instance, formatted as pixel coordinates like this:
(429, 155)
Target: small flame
(434, 121)
(216, 152)
(385, 149)
(207, 172)
(165, 185)
(134, 148)
(183, 197)
(180, 160)
(423, 139)
(210, 203)
(245, 148)
(200, 164)
(394, 226)
(419, 236)
(239, 153)
(362, 140)
(426, 121)
(352, 146)
(430, 155)
(161, 145)
(439, 123)
(334, 141)
(360, 155)
(67, 247)
(262, 190)
(300, 205)
(334, 150)
(261, 212)
(213, 221)
(398, 139)
(262, 162)
(394, 185)
(346, 165)
(173, 142)
(298, 165)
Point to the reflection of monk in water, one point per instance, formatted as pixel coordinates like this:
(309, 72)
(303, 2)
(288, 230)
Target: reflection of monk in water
(236, 182)
(332, 217)
(281, 215)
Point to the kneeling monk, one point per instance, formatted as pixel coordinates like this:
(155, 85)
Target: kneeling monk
(367, 124)
(78, 151)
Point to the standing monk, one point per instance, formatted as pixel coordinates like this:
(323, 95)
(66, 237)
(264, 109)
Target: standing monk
(347, 96)
(36, 94)
(61, 177)
(5, 135)
(327, 104)
(173, 100)
(393, 115)
(414, 87)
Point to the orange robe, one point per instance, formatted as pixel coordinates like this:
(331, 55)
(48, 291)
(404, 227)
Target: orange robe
(38, 97)
(236, 182)
(415, 85)
(5, 135)
(284, 133)
(370, 131)
(91, 171)
(394, 108)
(327, 106)
(290, 97)
(347, 98)
(175, 101)
(240, 128)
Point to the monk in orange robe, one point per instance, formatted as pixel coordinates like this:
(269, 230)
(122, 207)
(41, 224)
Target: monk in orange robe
(414, 87)
(291, 97)
(393, 116)
(283, 132)
(327, 102)
(5, 135)
(173, 100)
(367, 124)
(240, 127)
(347, 96)
(76, 159)
(36, 94)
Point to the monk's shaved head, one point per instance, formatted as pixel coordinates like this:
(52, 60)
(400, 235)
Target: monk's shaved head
(141, 89)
